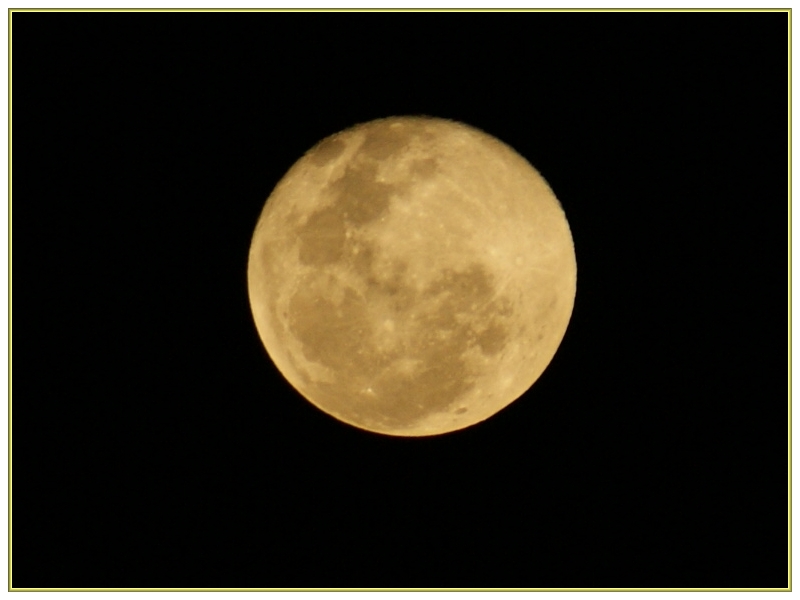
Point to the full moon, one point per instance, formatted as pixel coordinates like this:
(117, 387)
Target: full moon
(412, 276)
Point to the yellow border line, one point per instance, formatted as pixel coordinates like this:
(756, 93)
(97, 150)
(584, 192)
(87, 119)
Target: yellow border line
(786, 10)
(402, 589)
(789, 588)
(9, 301)
(790, 301)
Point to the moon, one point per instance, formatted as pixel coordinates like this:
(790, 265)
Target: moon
(412, 276)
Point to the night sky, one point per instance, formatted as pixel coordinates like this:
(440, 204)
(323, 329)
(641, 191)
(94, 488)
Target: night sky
(156, 445)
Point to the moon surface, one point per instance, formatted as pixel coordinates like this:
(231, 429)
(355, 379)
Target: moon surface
(412, 276)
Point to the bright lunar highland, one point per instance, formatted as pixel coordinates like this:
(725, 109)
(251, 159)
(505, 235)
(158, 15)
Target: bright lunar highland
(412, 276)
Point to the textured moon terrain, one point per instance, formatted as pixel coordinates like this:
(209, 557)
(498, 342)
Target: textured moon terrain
(412, 276)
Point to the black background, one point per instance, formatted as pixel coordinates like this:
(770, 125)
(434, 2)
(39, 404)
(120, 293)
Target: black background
(156, 445)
